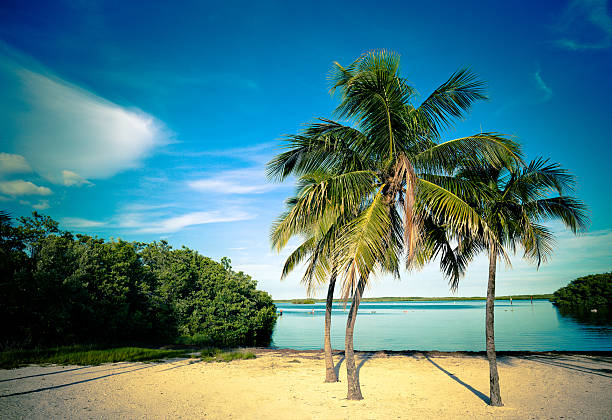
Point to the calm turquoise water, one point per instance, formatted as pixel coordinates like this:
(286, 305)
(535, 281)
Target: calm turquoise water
(444, 326)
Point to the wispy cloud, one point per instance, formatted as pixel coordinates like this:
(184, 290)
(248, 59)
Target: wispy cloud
(546, 90)
(67, 133)
(240, 181)
(585, 25)
(77, 222)
(70, 179)
(260, 153)
(167, 224)
(20, 187)
(41, 205)
(139, 207)
(13, 164)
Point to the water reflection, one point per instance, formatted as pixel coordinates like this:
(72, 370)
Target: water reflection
(585, 316)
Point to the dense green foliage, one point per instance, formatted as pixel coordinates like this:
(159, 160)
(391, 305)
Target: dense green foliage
(83, 356)
(589, 292)
(60, 289)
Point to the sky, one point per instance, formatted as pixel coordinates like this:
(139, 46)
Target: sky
(154, 120)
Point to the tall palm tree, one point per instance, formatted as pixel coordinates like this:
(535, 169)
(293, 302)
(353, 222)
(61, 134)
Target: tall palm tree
(380, 165)
(519, 199)
(318, 252)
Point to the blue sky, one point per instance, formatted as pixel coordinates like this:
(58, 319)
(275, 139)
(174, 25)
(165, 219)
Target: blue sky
(149, 120)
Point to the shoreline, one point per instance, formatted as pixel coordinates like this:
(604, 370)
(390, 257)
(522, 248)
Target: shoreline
(456, 353)
(297, 301)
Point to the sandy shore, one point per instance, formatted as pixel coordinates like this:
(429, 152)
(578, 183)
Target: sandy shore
(289, 385)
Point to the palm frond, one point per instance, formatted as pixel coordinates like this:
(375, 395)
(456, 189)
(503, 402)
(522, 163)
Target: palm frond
(339, 193)
(571, 211)
(327, 146)
(473, 152)
(364, 243)
(537, 241)
(540, 178)
(446, 208)
(297, 256)
(452, 100)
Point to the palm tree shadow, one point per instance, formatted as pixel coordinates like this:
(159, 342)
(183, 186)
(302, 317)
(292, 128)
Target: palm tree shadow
(44, 374)
(473, 390)
(337, 367)
(81, 381)
(559, 361)
(189, 363)
(364, 358)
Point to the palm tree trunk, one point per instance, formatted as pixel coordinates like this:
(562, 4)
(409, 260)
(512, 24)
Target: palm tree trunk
(352, 376)
(495, 395)
(330, 372)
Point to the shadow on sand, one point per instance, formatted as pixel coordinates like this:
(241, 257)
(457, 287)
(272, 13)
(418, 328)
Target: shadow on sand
(44, 374)
(80, 382)
(363, 359)
(565, 363)
(459, 381)
(337, 367)
(191, 362)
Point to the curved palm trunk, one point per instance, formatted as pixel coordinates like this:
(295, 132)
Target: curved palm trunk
(330, 372)
(495, 395)
(352, 376)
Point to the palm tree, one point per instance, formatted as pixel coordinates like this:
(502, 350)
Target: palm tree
(519, 199)
(380, 167)
(318, 251)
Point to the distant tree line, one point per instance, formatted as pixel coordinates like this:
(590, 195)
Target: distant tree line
(592, 292)
(57, 288)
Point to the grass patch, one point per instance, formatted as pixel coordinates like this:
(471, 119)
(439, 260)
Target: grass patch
(83, 356)
(218, 355)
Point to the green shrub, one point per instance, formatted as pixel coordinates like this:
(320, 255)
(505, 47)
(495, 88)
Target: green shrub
(589, 292)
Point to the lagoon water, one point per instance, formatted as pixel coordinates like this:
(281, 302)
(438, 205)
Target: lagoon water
(444, 326)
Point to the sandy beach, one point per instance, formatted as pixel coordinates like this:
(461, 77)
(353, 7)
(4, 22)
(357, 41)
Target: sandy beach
(289, 385)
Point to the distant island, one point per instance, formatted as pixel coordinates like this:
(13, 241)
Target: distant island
(416, 299)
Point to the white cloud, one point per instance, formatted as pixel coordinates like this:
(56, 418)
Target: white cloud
(546, 90)
(137, 207)
(240, 181)
(41, 205)
(64, 129)
(259, 153)
(70, 179)
(586, 25)
(77, 222)
(166, 224)
(20, 187)
(13, 164)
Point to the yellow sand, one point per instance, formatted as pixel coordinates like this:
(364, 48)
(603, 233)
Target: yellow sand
(286, 385)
